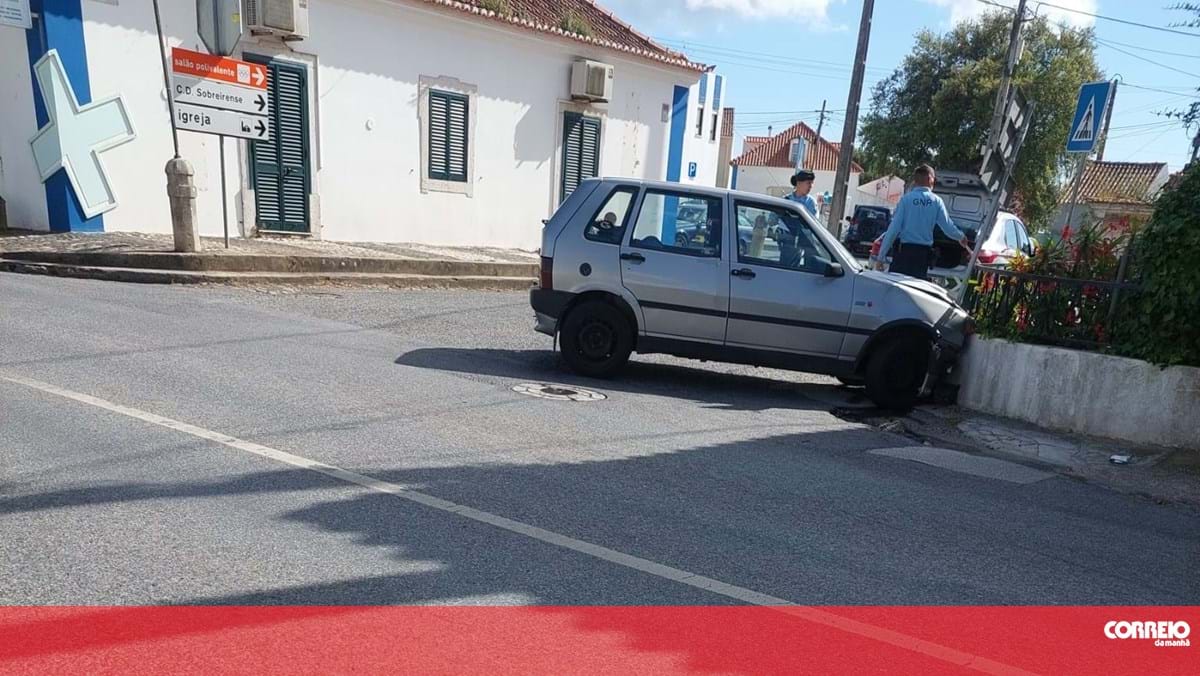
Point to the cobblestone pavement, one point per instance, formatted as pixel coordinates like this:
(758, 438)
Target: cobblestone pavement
(18, 240)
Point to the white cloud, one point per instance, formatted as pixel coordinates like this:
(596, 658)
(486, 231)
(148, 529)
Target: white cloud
(761, 9)
(966, 9)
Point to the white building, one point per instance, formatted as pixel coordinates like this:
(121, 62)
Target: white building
(430, 121)
(767, 164)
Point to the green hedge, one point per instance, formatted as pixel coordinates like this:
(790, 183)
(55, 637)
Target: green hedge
(1163, 324)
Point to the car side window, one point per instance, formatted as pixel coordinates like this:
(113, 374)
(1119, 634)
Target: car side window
(780, 238)
(1023, 237)
(1011, 240)
(677, 222)
(607, 225)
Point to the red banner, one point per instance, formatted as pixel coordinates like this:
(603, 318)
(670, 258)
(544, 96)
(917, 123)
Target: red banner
(598, 640)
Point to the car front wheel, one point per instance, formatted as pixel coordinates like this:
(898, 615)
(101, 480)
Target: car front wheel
(896, 372)
(596, 339)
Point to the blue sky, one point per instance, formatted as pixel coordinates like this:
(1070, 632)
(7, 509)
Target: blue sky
(782, 57)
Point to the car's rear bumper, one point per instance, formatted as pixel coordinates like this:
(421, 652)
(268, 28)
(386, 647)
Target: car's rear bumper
(548, 307)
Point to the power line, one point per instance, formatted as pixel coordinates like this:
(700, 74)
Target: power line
(1155, 51)
(1094, 16)
(1124, 21)
(698, 46)
(1160, 91)
(1142, 58)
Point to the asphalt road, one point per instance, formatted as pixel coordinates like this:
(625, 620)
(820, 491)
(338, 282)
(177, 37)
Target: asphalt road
(225, 446)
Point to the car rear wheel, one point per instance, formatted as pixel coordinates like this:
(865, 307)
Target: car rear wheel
(596, 339)
(896, 372)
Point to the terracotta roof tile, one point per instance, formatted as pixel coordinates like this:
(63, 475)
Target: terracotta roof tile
(763, 151)
(1118, 182)
(546, 16)
(727, 122)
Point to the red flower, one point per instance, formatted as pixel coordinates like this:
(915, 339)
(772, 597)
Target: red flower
(1066, 233)
(1090, 291)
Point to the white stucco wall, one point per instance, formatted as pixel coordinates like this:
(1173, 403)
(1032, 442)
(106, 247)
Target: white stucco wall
(777, 181)
(20, 186)
(123, 59)
(365, 60)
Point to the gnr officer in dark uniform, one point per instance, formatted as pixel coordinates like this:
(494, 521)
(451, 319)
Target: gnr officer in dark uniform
(916, 215)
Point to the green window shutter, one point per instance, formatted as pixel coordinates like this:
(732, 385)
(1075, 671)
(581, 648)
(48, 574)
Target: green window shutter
(581, 151)
(448, 124)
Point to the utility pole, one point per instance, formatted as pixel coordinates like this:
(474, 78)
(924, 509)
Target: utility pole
(1107, 121)
(821, 120)
(1010, 65)
(841, 183)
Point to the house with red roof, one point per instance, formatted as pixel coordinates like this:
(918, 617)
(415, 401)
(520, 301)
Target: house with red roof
(1115, 193)
(767, 164)
(451, 122)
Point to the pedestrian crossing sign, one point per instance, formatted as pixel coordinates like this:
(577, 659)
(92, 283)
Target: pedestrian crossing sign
(1094, 99)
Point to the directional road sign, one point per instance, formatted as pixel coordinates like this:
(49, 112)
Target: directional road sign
(223, 122)
(219, 95)
(1094, 98)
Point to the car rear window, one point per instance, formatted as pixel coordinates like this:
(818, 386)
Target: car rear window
(607, 225)
(966, 204)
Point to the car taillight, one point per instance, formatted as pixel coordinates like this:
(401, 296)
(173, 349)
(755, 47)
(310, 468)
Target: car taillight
(875, 246)
(546, 278)
(987, 257)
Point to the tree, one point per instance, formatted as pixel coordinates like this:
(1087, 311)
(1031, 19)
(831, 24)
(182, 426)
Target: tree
(1190, 116)
(937, 106)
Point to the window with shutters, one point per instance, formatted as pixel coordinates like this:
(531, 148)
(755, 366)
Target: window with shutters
(448, 117)
(580, 151)
(447, 135)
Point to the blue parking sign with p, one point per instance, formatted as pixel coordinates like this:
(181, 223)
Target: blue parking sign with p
(1094, 99)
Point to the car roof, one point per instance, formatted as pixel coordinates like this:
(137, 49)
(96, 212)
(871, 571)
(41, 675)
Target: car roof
(697, 189)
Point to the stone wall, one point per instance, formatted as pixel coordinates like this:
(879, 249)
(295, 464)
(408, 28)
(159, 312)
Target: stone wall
(1083, 392)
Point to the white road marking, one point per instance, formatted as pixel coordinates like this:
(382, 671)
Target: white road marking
(741, 594)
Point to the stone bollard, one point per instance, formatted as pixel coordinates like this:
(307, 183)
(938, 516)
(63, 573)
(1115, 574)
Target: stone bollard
(182, 194)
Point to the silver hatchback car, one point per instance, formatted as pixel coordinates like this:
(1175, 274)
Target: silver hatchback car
(720, 275)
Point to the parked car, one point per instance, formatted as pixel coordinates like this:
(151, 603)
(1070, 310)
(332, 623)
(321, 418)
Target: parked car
(1008, 238)
(614, 280)
(866, 224)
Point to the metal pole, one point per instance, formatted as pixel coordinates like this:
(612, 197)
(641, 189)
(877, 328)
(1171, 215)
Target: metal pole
(1116, 292)
(846, 150)
(1083, 158)
(1010, 64)
(985, 228)
(162, 53)
(224, 198)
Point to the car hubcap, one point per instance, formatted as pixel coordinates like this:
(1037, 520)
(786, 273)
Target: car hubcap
(596, 340)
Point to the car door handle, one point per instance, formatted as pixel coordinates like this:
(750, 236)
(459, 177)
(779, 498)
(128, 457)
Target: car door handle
(635, 257)
(744, 273)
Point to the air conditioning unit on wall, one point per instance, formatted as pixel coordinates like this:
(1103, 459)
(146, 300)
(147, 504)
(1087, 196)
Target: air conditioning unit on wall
(287, 19)
(591, 81)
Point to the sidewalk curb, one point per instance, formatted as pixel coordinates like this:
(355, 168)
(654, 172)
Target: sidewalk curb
(278, 263)
(158, 276)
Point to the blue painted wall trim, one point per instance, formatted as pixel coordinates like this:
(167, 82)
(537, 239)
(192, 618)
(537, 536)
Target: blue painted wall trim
(734, 185)
(703, 88)
(59, 25)
(679, 110)
(717, 93)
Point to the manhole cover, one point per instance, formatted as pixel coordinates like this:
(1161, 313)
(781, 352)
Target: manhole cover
(558, 392)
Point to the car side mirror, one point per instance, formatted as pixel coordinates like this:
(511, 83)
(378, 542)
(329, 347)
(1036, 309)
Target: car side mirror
(834, 270)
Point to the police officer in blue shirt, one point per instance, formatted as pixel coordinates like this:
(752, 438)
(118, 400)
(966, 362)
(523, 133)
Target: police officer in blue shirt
(916, 215)
(802, 183)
